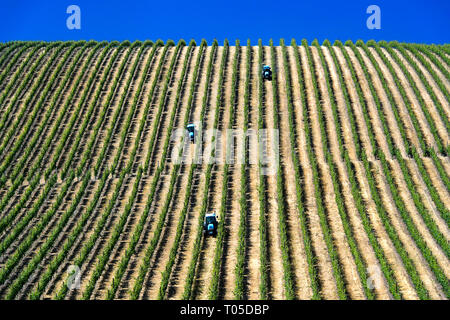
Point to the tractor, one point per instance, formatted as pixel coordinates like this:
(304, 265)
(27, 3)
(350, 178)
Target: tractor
(267, 73)
(210, 224)
(191, 130)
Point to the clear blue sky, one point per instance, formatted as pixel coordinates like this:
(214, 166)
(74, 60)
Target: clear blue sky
(402, 20)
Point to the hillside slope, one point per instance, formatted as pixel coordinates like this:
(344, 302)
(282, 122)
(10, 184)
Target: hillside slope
(353, 204)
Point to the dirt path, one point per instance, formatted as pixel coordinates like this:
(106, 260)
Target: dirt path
(52, 283)
(370, 103)
(335, 223)
(441, 76)
(87, 230)
(35, 246)
(120, 102)
(328, 193)
(399, 103)
(442, 190)
(103, 284)
(156, 152)
(130, 274)
(129, 113)
(126, 189)
(426, 275)
(406, 286)
(356, 106)
(418, 220)
(422, 189)
(408, 241)
(387, 107)
(99, 107)
(416, 176)
(298, 254)
(88, 267)
(354, 287)
(253, 244)
(366, 250)
(65, 115)
(41, 53)
(18, 122)
(73, 220)
(51, 199)
(232, 219)
(328, 283)
(188, 156)
(163, 184)
(161, 255)
(153, 101)
(107, 196)
(63, 98)
(181, 266)
(445, 163)
(16, 76)
(144, 99)
(275, 253)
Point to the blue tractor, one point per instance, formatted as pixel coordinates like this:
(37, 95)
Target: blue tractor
(191, 131)
(210, 224)
(266, 73)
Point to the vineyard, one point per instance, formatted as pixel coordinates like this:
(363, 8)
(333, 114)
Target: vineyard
(95, 205)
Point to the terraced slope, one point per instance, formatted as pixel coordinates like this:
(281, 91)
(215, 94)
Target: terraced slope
(96, 204)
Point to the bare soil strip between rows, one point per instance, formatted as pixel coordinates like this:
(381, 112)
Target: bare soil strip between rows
(176, 283)
(204, 269)
(405, 284)
(394, 232)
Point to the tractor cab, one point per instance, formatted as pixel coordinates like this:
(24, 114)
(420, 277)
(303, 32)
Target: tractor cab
(210, 224)
(191, 130)
(267, 73)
